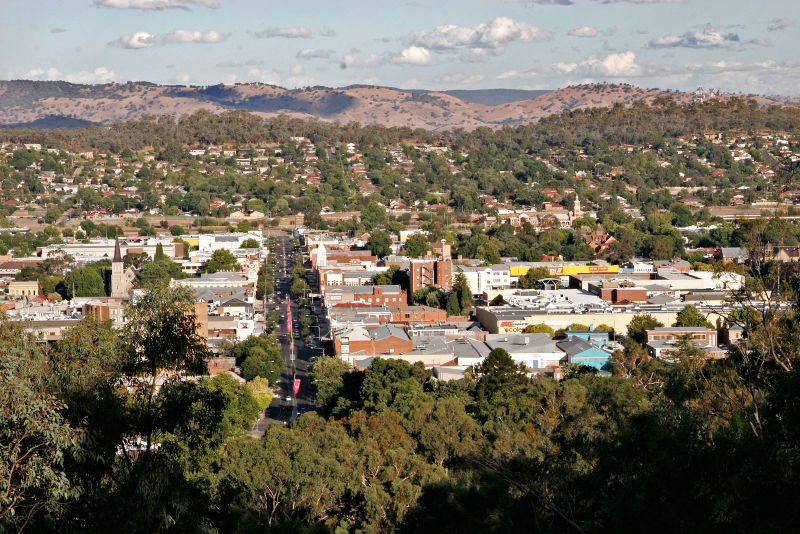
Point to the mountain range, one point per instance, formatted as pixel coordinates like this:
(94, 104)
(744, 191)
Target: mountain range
(56, 104)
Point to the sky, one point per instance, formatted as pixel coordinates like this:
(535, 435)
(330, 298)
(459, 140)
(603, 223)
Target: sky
(735, 45)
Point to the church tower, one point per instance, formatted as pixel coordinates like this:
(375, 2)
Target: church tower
(576, 208)
(118, 285)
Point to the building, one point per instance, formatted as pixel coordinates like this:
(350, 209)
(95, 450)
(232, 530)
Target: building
(387, 314)
(353, 342)
(706, 335)
(663, 342)
(581, 352)
(431, 273)
(107, 310)
(24, 288)
(483, 279)
(535, 351)
(120, 286)
(388, 295)
(595, 337)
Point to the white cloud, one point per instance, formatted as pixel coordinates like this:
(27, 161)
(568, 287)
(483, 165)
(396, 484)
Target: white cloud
(571, 2)
(314, 53)
(703, 37)
(507, 75)
(183, 77)
(156, 4)
(613, 65)
(491, 36)
(51, 73)
(147, 40)
(294, 32)
(260, 74)
(297, 69)
(460, 78)
(98, 75)
(780, 24)
(584, 31)
(58, 30)
(353, 61)
(414, 55)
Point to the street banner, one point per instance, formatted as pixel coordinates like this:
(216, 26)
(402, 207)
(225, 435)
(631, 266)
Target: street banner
(296, 387)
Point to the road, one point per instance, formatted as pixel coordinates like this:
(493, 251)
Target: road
(281, 410)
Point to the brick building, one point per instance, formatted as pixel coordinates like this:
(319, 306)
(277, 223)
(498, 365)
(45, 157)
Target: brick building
(390, 295)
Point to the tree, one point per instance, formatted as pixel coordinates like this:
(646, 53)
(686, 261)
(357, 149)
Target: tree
(162, 334)
(373, 215)
(391, 383)
(453, 307)
(464, 292)
(159, 255)
(689, 316)
(135, 260)
(250, 243)
(57, 261)
(259, 356)
(221, 260)
(33, 434)
(433, 299)
(160, 272)
(84, 282)
(417, 246)
(540, 328)
(530, 279)
(641, 323)
(379, 243)
(327, 379)
(176, 230)
(618, 252)
(259, 388)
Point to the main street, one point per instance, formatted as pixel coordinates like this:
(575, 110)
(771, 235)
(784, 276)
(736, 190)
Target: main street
(287, 407)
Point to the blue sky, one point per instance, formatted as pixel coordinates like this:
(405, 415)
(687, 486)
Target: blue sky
(736, 45)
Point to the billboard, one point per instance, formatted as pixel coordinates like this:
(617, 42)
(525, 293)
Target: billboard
(511, 326)
(565, 270)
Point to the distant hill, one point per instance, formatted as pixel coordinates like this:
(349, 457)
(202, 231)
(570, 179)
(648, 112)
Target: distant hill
(38, 104)
(494, 97)
(52, 122)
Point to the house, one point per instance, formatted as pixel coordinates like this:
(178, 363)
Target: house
(598, 240)
(595, 337)
(535, 351)
(352, 341)
(581, 352)
(235, 307)
(731, 254)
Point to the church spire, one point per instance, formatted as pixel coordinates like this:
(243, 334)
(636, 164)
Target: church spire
(117, 255)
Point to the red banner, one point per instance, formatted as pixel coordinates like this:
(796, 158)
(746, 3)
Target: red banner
(296, 387)
(289, 318)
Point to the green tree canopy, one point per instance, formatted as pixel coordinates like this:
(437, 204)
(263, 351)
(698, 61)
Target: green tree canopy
(84, 282)
(417, 246)
(639, 324)
(221, 260)
(690, 316)
(379, 243)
